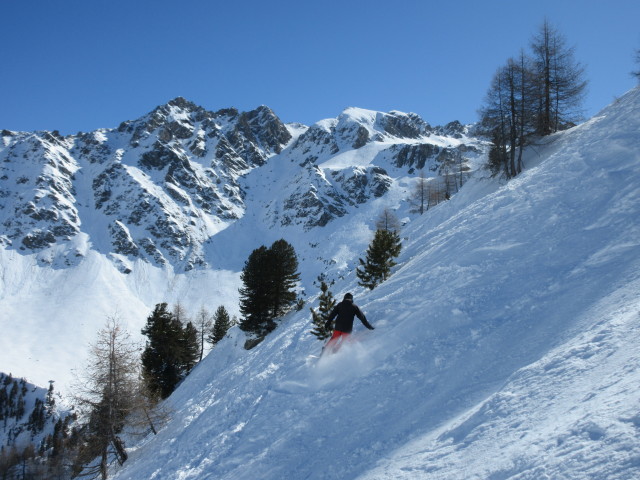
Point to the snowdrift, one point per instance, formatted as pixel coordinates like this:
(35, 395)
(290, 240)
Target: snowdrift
(505, 345)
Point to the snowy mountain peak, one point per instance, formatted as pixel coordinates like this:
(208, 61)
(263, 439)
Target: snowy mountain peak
(159, 187)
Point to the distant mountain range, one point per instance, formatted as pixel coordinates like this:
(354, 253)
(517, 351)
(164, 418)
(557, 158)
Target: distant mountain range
(159, 187)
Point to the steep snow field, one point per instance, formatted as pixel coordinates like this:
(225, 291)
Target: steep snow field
(506, 345)
(54, 314)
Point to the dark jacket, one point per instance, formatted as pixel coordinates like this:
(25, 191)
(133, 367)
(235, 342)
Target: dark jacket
(345, 312)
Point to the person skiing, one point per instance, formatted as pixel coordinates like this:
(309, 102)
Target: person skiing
(345, 312)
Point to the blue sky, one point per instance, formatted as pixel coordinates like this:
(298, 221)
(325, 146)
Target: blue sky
(79, 65)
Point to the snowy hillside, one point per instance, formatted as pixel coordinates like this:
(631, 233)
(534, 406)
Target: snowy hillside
(506, 343)
(167, 208)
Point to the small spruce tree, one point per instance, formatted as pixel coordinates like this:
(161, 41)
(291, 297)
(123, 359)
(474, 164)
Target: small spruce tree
(319, 318)
(382, 251)
(221, 325)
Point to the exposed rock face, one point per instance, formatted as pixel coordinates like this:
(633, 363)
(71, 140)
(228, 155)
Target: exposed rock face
(371, 144)
(402, 125)
(160, 183)
(159, 187)
(317, 197)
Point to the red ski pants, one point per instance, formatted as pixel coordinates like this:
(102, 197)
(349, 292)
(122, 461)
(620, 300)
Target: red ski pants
(336, 340)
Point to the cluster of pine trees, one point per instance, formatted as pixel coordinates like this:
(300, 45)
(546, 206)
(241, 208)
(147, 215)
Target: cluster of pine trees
(121, 390)
(531, 96)
(175, 344)
(171, 352)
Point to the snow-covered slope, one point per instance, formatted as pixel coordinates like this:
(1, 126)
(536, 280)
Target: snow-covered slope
(505, 345)
(167, 208)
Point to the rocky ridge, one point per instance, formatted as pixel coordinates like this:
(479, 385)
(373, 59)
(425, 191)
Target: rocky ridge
(157, 188)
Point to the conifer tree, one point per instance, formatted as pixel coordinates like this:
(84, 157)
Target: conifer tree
(221, 325)
(382, 251)
(269, 277)
(190, 348)
(163, 358)
(319, 318)
(284, 276)
(255, 301)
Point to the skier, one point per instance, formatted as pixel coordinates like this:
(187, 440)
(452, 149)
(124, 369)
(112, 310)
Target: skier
(345, 312)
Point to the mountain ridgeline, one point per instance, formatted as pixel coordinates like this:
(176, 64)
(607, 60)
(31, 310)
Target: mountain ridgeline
(159, 187)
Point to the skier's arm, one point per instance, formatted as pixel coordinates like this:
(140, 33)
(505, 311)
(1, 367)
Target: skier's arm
(332, 315)
(363, 319)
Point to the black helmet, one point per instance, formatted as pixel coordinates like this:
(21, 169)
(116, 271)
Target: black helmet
(348, 296)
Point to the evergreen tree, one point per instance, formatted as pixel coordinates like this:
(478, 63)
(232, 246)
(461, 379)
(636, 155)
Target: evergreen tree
(162, 358)
(221, 325)
(255, 301)
(284, 277)
(269, 276)
(319, 318)
(382, 251)
(50, 401)
(190, 348)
